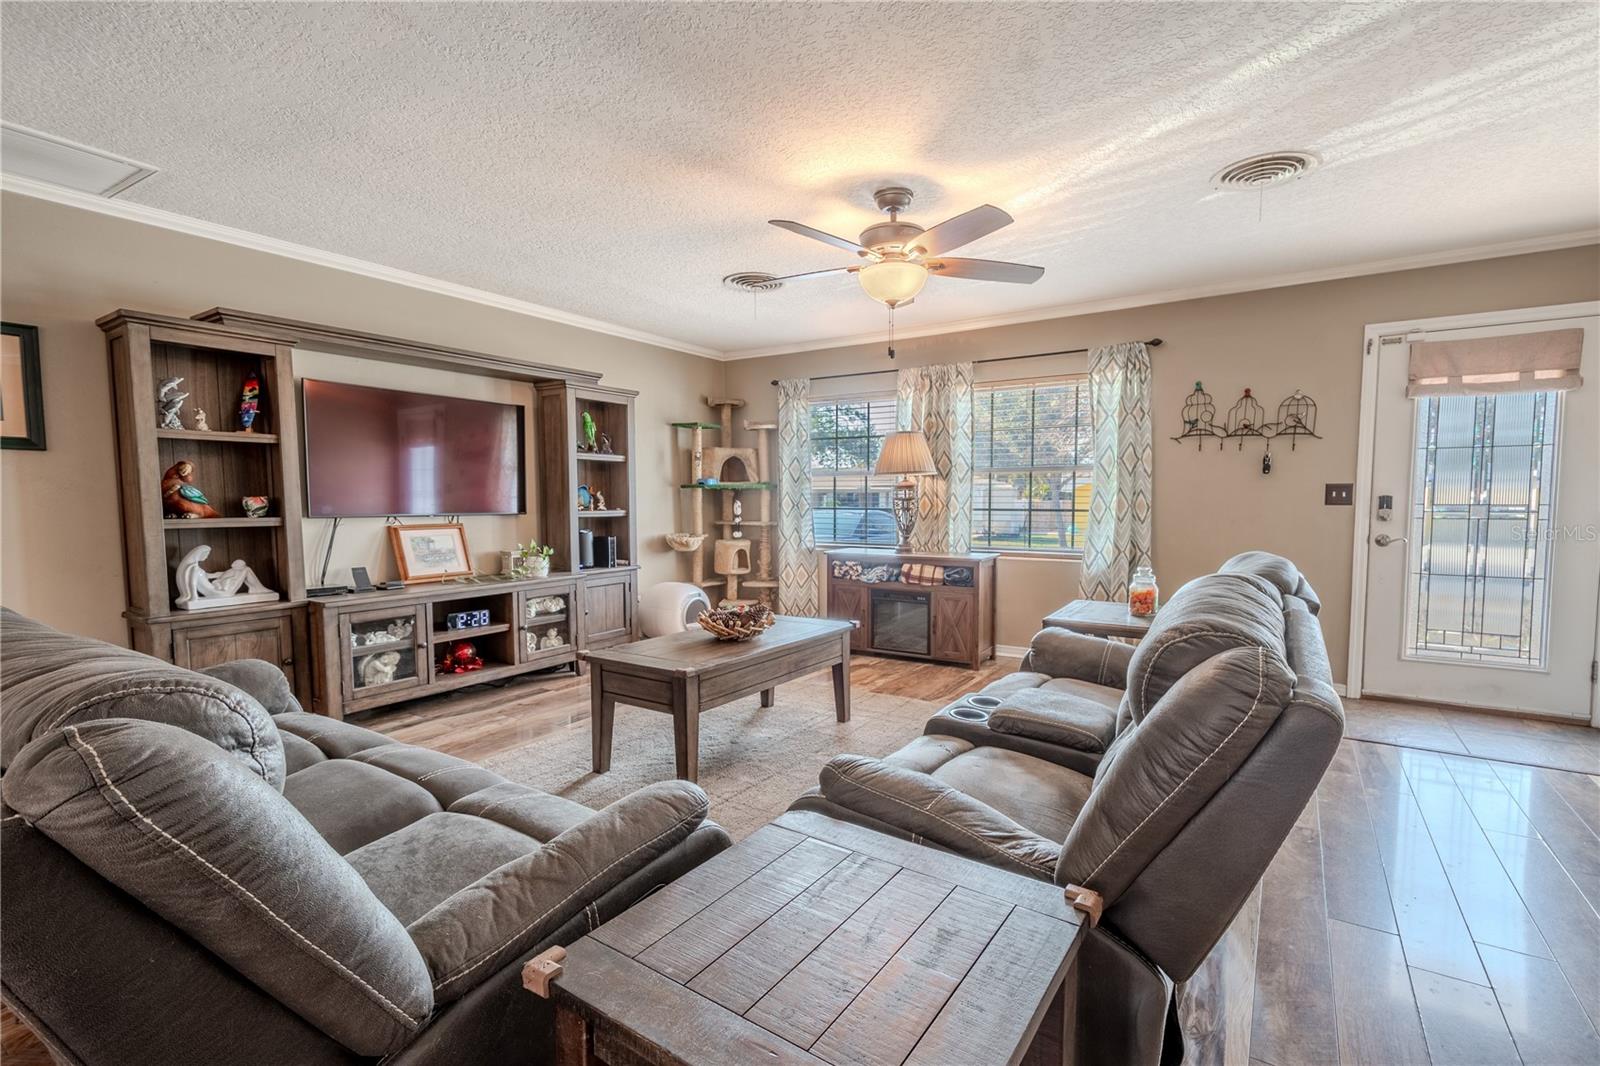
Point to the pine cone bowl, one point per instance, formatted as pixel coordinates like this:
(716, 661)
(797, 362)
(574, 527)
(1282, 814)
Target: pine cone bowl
(737, 621)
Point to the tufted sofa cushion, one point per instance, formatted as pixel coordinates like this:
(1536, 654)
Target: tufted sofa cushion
(178, 824)
(496, 917)
(50, 679)
(1209, 615)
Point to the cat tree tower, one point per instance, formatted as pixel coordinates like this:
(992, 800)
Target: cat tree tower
(740, 562)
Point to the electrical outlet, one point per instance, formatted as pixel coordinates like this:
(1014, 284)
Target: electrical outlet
(1338, 494)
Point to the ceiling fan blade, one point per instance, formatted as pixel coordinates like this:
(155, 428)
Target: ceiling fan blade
(965, 228)
(808, 275)
(985, 270)
(817, 235)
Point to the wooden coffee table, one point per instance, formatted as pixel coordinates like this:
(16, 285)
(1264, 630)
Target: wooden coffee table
(818, 941)
(685, 673)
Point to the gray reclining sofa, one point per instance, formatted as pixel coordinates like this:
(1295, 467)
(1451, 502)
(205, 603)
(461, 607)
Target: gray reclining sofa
(196, 871)
(1163, 777)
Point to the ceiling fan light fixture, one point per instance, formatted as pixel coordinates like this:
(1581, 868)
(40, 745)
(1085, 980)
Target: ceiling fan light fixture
(893, 281)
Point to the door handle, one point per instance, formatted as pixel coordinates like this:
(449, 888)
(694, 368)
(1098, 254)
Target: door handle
(1383, 540)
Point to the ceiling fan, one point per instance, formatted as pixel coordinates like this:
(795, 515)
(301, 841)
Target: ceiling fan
(900, 255)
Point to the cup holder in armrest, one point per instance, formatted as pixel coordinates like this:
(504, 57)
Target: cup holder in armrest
(975, 708)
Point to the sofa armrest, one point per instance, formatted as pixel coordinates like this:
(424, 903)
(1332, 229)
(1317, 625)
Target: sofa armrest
(1056, 718)
(1063, 653)
(924, 806)
(259, 679)
(468, 937)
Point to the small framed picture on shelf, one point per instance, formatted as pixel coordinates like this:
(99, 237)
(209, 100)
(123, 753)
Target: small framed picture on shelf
(21, 390)
(431, 552)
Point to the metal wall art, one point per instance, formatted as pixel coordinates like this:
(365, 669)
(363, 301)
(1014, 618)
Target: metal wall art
(1296, 417)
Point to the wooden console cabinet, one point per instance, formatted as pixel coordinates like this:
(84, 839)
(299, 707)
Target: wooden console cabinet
(938, 622)
(372, 649)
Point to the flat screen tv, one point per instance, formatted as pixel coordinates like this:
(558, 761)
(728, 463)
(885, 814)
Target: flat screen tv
(379, 452)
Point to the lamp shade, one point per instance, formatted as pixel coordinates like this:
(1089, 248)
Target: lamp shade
(905, 452)
(893, 281)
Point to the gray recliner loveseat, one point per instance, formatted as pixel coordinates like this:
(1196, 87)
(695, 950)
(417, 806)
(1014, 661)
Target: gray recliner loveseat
(193, 870)
(1162, 777)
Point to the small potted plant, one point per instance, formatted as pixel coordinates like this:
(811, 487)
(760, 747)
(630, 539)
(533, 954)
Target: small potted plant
(532, 559)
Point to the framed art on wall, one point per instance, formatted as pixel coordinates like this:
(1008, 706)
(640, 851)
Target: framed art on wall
(21, 391)
(430, 552)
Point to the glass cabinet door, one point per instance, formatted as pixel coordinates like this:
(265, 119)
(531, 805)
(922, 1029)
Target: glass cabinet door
(546, 621)
(383, 650)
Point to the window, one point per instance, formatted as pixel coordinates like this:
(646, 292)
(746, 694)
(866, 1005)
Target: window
(1033, 453)
(1481, 503)
(848, 504)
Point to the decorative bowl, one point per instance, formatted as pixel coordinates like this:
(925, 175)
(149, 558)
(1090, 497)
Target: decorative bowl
(685, 542)
(738, 621)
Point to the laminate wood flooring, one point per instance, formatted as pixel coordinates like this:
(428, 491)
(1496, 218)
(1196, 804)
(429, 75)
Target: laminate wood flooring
(1435, 903)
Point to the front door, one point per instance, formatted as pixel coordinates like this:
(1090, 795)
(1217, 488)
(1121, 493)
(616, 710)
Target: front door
(1483, 573)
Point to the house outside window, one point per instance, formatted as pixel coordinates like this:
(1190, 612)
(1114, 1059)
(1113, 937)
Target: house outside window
(1033, 456)
(849, 505)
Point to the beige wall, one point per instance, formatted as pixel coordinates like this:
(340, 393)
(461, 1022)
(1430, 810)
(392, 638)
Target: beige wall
(60, 546)
(1209, 505)
(60, 554)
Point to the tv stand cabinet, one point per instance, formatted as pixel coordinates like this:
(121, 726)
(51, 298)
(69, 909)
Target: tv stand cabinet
(373, 649)
(949, 622)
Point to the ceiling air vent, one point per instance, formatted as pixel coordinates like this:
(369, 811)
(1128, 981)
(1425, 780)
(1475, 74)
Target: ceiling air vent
(26, 153)
(752, 282)
(1272, 168)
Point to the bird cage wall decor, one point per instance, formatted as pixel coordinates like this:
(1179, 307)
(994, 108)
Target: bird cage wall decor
(1199, 418)
(1245, 419)
(1296, 417)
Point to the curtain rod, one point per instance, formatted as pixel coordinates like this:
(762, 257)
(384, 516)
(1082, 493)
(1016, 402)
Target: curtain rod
(1154, 342)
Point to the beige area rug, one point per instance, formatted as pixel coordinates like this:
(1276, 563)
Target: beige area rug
(754, 761)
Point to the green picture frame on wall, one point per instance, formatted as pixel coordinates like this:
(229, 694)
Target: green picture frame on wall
(21, 389)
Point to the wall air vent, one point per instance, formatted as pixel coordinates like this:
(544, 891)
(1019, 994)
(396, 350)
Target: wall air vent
(1260, 171)
(752, 281)
(36, 156)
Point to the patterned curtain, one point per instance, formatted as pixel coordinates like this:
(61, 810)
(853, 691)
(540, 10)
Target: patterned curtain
(1118, 537)
(938, 401)
(797, 539)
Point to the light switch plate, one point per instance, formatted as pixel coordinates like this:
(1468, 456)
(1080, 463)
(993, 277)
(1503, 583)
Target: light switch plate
(1338, 494)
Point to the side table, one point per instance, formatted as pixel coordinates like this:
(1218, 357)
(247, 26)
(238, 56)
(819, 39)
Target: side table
(819, 941)
(1098, 618)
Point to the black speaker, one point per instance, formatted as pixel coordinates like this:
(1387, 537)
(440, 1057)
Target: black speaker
(585, 548)
(605, 551)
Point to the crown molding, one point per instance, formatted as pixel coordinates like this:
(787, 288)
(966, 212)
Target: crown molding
(194, 227)
(1197, 292)
(171, 220)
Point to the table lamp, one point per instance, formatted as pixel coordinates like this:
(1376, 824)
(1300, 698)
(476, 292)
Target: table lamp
(907, 454)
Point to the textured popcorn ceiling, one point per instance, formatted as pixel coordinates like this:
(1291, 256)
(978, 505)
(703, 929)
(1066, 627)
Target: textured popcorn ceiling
(615, 160)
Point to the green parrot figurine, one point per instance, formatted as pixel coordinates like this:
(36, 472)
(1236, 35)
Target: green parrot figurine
(589, 431)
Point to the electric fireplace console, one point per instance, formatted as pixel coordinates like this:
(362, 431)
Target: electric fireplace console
(935, 607)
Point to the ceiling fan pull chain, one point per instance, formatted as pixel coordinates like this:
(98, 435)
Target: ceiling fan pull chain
(891, 333)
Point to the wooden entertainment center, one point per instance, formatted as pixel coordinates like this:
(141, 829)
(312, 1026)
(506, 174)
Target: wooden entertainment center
(334, 649)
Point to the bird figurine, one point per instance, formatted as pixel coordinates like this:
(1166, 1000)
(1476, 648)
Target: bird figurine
(589, 431)
(169, 401)
(249, 403)
(179, 497)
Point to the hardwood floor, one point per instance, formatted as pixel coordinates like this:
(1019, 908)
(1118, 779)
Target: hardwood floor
(1430, 905)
